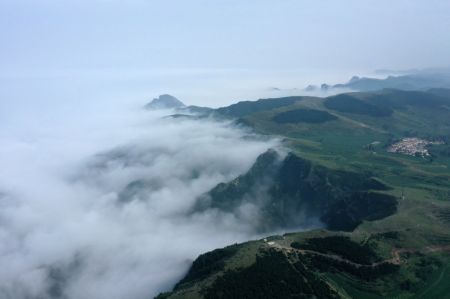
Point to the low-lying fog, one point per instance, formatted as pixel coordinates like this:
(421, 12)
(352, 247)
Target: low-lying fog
(65, 233)
(70, 145)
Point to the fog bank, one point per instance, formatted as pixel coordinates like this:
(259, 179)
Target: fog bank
(65, 231)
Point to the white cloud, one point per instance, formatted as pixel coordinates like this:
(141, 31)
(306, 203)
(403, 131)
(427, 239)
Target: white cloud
(63, 232)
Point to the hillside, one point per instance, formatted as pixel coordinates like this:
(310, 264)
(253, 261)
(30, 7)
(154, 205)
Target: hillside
(341, 166)
(416, 80)
(293, 192)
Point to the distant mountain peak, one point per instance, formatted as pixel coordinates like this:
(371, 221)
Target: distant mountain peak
(165, 101)
(325, 86)
(354, 79)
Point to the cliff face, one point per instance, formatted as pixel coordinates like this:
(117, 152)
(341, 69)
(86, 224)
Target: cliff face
(292, 191)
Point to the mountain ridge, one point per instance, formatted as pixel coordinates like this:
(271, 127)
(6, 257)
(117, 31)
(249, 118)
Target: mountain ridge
(407, 249)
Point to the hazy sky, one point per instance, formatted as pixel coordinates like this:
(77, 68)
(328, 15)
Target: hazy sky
(153, 34)
(205, 52)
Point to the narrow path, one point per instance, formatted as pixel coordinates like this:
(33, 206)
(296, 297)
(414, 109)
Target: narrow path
(395, 259)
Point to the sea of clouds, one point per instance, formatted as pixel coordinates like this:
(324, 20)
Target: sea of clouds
(65, 231)
(95, 190)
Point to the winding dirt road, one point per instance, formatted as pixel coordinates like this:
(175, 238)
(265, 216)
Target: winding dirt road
(396, 253)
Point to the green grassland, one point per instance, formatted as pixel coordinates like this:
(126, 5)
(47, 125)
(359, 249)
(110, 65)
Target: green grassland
(414, 243)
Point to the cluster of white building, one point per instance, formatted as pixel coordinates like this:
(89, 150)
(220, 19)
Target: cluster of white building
(412, 146)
